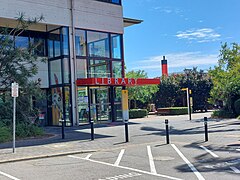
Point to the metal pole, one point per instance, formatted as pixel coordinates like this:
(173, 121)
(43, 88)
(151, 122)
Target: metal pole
(14, 123)
(167, 131)
(126, 130)
(206, 128)
(92, 129)
(189, 105)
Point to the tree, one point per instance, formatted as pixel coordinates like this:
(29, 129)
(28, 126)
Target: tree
(168, 92)
(141, 94)
(226, 76)
(18, 64)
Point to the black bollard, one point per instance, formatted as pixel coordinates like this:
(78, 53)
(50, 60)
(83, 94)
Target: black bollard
(206, 128)
(92, 129)
(126, 130)
(63, 130)
(167, 131)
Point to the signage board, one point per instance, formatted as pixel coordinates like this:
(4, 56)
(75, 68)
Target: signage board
(14, 89)
(125, 112)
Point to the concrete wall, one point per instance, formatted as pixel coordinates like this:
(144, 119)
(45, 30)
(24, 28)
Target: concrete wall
(89, 14)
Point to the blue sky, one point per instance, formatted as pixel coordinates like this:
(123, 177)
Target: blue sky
(188, 32)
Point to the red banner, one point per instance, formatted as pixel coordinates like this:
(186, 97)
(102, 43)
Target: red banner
(116, 81)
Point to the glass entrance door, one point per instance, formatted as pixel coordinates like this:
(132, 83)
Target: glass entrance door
(100, 104)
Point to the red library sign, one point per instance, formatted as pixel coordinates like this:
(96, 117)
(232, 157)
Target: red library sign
(116, 81)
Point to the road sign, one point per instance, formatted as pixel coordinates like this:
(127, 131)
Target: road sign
(125, 112)
(14, 89)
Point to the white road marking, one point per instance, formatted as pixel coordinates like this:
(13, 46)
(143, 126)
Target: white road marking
(238, 149)
(8, 175)
(119, 157)
(123, 176)
(123, 167)
(210, 152)
(199, 176)
(151, 161)
(235, 169)
(88, 156)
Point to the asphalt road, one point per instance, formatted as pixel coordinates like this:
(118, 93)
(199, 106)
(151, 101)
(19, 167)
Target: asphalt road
(146, 156)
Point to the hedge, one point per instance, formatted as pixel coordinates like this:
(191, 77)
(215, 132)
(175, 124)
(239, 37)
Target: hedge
(172, 111)
(137, 113)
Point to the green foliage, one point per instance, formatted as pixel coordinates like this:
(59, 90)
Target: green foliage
(223, 114)
(140, 93)
(173, 110)
(24, 130)
(226, 76)
(137, 113)
(168, 92)
(5, 134)
(237, 106)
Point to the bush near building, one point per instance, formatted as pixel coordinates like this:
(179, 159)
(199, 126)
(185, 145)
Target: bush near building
(237, 107)
(172, 111)
(137, 113)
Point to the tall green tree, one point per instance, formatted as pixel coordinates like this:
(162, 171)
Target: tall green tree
(226, 76)
(143, 94)
(18, 64)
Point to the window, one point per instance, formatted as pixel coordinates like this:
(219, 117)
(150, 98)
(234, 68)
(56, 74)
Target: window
(112, 1)
(98, 44)
(99, 68)
(56, 73)
(116, 46)
(81, 68)
(117, 69)
(80, 43)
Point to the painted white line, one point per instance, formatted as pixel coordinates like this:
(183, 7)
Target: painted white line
(199, 176)
(9, 176)
(151, 161)
(88, 156)
(119, 157)
(210, 152)
(235, 169)
(238, 149)
(128, 168)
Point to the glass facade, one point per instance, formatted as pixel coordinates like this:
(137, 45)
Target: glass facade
(111, 1)
(99, 55)
(59, 76)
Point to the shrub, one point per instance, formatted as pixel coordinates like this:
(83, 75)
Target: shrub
(223, 114)
(237, 106)
(5, 134)
(137, 113)
(24, 130)
(172, 111)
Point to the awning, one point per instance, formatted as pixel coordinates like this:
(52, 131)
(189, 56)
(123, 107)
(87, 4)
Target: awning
(116, 81)
(129, 22)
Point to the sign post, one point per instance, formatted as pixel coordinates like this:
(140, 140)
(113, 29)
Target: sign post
(189, 101)
(14, 95)
(125, 112)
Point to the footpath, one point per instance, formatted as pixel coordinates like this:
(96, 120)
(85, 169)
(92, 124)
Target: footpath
(222, 133)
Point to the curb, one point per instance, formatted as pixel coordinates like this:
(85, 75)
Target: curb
(45, 156)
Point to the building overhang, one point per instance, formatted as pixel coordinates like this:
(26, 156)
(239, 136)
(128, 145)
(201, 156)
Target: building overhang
(116, 81)
(130, 22)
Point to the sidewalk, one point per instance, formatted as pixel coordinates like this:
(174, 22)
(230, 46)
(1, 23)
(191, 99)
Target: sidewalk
(108, 136)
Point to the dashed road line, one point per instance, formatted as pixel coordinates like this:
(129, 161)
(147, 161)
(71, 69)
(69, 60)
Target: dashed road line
(119, 157)
(8, 175)
(210, 152)
(190, 165)
(123, 167)
(151, 161)
(236, 170)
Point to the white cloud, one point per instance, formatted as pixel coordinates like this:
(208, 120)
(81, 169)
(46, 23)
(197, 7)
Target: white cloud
(199, 35)
(168, 10)
(178, 60)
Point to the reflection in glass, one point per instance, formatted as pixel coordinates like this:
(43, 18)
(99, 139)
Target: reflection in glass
(56, 73)
(82, 104)
(66, 70)
(67, 106)
(81, 68)
(116, 46)
(39, 44)
(21, 42)
(65, 41)
(80, 43)
(99, 68)
(117, 69)
(98, 44)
